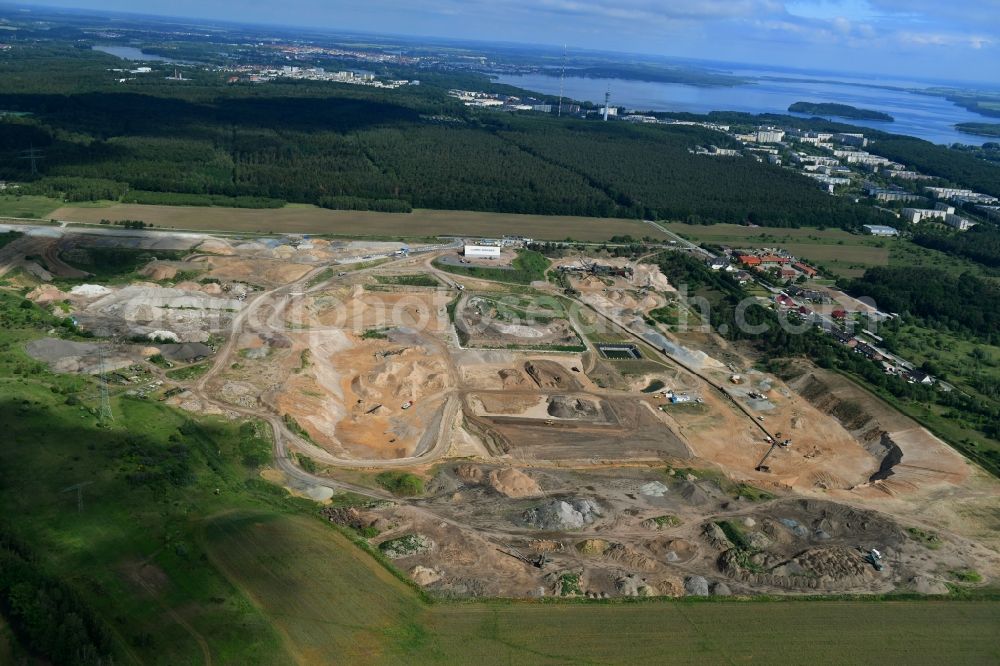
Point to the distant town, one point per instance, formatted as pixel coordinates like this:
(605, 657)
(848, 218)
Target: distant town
(841, 163)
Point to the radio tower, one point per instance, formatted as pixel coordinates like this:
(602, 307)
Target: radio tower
(607, 102)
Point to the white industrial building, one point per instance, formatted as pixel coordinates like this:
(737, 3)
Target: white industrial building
(482, 251)
(880, 230)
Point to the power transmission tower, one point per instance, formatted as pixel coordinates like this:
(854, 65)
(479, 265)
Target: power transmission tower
(79, 494)
(104, 415)
(33, 154)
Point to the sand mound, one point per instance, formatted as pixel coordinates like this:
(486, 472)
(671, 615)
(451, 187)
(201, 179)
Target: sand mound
(46, 293)
(561, 514)
(927, 585)
(632, 559)
(694, 494)
(512, 378)
(565, 407)
(89, 290)
(673, 550)
(593, 546)
(156, 271)
(513, 483)
(424, 576)
(469, 473)
(696, 586)
(633, 586)
(214, 246)
(653, 489)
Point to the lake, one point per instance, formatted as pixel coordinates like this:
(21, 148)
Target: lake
(131, 53)
(924, 116)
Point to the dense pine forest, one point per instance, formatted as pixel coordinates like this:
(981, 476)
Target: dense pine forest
(202, 142)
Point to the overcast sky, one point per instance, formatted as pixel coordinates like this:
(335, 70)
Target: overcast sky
(944, 39)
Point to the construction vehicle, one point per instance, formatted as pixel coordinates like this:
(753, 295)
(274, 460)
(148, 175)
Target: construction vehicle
(761, 467)
(407, 404)
(874, 558)
(539, 561)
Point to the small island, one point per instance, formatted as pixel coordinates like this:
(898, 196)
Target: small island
(839, 110)
(979, 129)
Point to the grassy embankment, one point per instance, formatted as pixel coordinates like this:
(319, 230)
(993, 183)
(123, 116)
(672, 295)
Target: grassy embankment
(529, 266)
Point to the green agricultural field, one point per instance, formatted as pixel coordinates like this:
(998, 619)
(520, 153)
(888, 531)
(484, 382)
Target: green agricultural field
(328, 599)
(28, 206)
(906, 253)
(835, 250)
(310, 219)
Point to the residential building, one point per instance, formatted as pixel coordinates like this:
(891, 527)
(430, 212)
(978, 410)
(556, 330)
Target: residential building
(991, 212)
(901, 174)
(769, 135)
(960, 195)
(889, 194)
(915, 215)
(851, 139)
(718, 263)
(843, 337)
(806, 268)
(958, 222)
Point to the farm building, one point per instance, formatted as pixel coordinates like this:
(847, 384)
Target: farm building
(482, 251)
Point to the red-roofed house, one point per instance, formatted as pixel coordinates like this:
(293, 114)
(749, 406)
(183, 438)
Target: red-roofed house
(748, 260)
(839, 314)
(806, 268)
(774, 259)
(785, 300)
